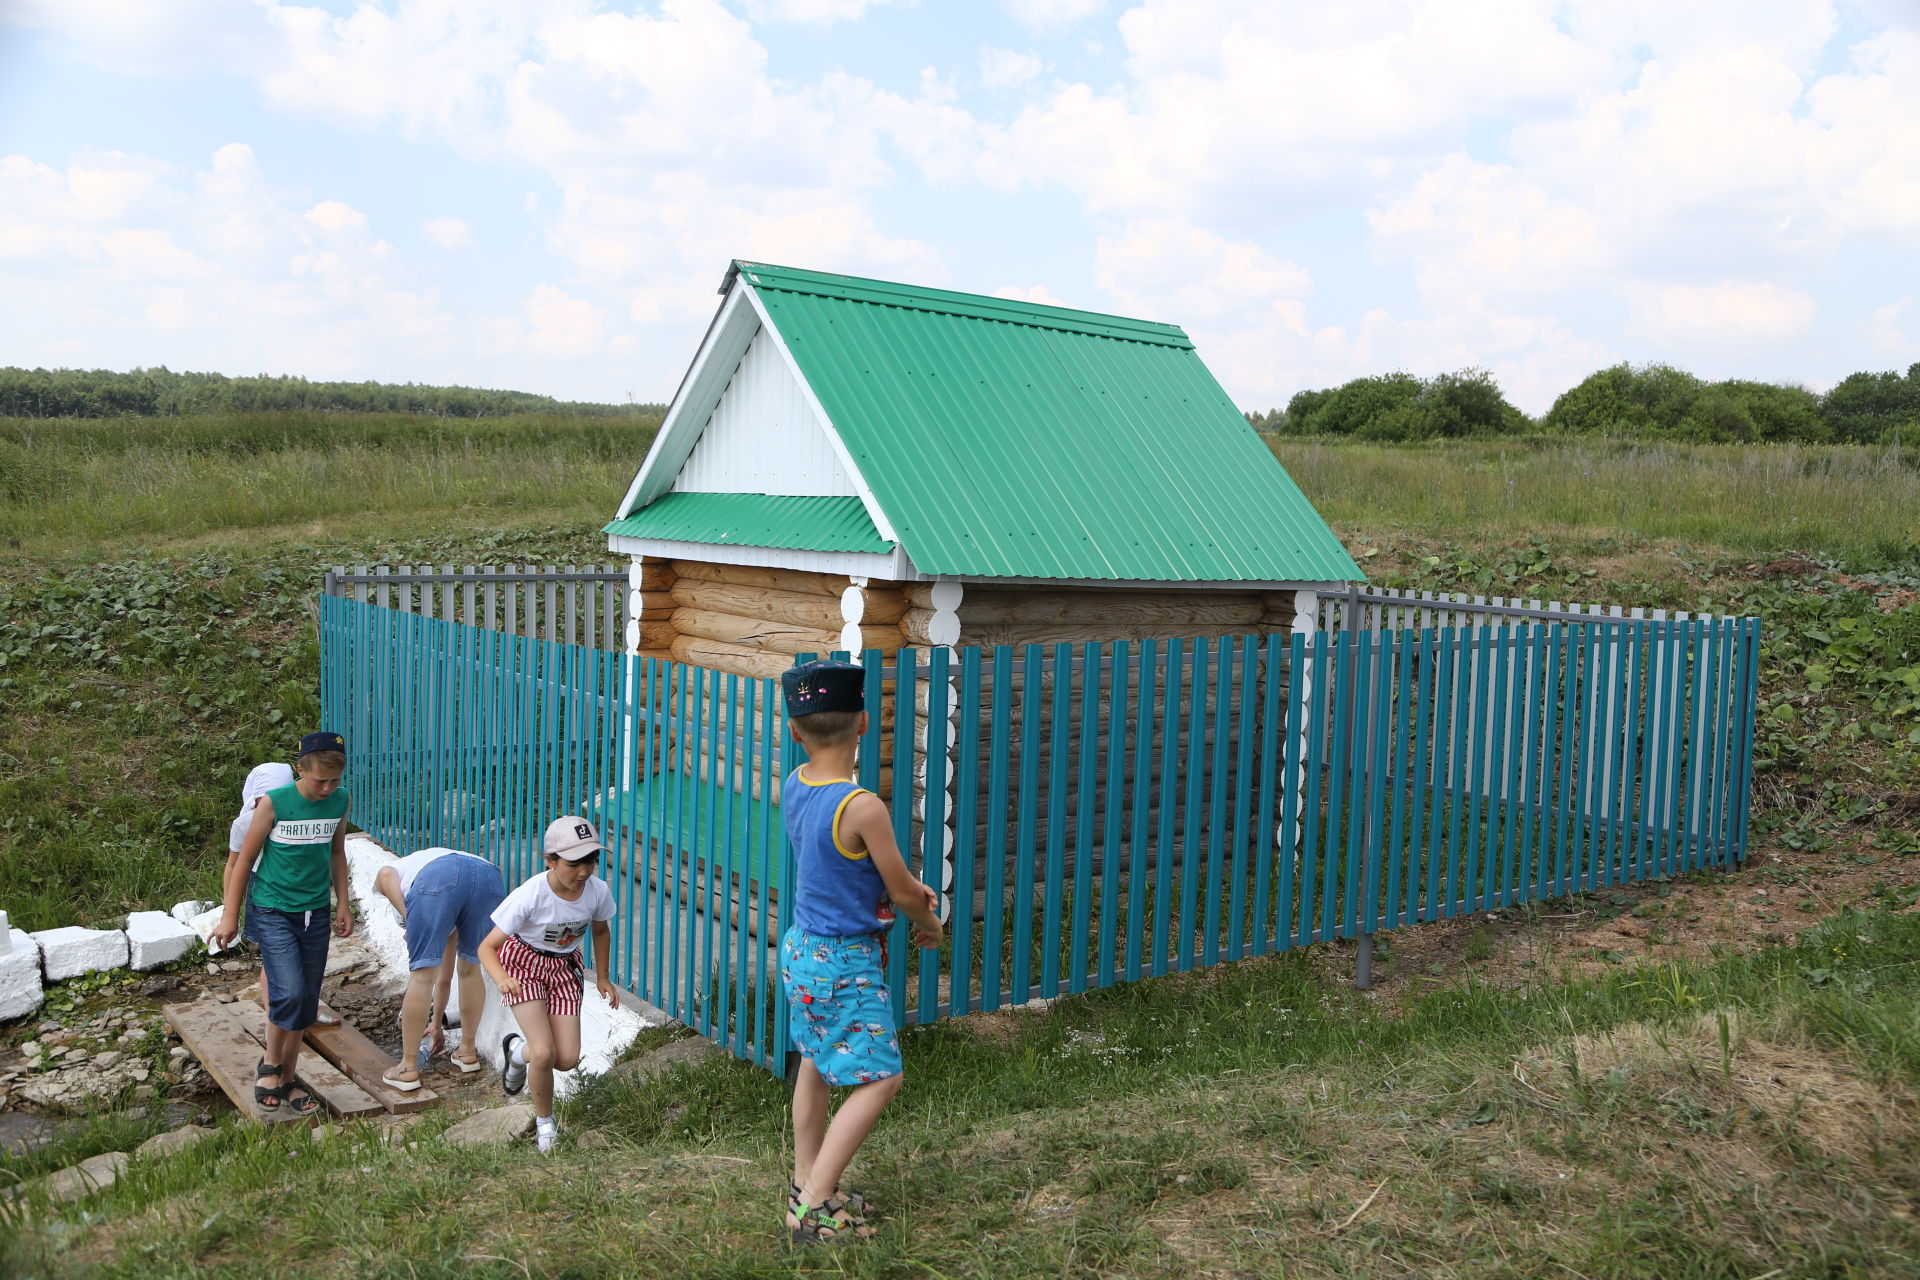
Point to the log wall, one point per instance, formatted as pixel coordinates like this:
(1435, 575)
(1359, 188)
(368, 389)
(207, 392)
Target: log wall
(752, 621)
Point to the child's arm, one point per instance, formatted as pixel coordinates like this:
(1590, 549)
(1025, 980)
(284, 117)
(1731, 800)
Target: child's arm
(490, 961)
(602, 936)
(387, 884)
(233, 884)
(866, 824)
(342, 892)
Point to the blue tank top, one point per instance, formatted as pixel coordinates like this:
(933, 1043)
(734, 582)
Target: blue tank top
(835, 893)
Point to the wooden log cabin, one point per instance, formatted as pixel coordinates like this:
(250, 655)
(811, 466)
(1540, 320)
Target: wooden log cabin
(852, 464)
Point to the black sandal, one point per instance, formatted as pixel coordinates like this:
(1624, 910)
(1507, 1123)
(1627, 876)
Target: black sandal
(828, 1222)
(263, 1097)
(294, 1104)
(853, 1200)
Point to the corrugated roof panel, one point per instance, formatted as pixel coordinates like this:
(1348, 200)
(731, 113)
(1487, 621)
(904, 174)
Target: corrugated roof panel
(756, 520)
(1002, 448)
(947, 302)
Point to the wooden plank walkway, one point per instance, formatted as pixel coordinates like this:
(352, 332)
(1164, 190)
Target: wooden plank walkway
(226, 1040)
(364, 1064)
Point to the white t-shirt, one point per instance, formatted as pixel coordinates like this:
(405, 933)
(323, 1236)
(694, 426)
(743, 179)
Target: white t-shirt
(545, 921)
(413, 864)
(261, 779)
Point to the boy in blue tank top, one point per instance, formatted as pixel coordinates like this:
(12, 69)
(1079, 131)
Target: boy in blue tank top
(832, 959)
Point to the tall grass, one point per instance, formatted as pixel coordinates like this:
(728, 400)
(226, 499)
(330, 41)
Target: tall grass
(1854, 501)
(74, 483)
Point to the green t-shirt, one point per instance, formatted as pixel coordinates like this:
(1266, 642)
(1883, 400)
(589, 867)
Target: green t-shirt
(295, 870)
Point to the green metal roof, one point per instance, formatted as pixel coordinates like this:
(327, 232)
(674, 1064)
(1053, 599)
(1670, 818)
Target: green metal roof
(755, 520)
(1007, 439)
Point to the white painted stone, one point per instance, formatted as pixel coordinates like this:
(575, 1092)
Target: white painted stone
(72, 951)
(155, 938)
(203, 924)
(6, 933)
(604, 1031)
(20, 989)
(184, 912)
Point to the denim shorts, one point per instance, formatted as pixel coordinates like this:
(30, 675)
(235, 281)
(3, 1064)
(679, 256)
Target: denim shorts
(293, 951)
(839, 1010)
(451, 893)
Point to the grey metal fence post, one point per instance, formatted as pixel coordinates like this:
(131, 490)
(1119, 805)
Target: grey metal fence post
(1358, 783)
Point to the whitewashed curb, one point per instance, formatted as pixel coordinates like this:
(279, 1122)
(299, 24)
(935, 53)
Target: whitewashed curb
(71, 952)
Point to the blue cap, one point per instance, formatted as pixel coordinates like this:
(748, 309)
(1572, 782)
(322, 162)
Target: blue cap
(325, 740)
(824, 685)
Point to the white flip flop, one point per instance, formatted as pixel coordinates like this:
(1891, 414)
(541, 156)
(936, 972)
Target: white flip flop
(404, 1086)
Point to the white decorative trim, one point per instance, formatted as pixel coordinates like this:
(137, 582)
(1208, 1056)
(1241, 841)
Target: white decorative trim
(1306, 612)
(893, 564)
(706, 380)
(865, 490)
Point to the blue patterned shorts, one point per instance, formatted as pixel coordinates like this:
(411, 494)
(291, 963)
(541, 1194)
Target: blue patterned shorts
(839, 1010)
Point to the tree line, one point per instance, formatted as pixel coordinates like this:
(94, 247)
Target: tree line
(1650, 402)
(160, 392)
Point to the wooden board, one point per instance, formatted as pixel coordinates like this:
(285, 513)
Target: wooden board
(364, 1064)
(215, 1036)
(336, 1093)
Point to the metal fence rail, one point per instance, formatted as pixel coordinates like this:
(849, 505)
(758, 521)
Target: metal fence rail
(574, 604)
(1396, 609)
(1092, 814)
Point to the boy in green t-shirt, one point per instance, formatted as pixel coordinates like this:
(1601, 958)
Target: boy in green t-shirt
(294, 852)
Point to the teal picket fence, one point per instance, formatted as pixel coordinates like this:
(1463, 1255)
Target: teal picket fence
(1092, 813)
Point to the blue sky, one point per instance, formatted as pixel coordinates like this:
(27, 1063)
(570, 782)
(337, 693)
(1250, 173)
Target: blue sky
(545, 196)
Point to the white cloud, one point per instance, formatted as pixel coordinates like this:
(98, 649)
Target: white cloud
(1035, 293)
(448, 233)
(335, 218)
(129, 263)
(1007, 69)
(552, 324)
(1169, 269)
(1884, 332)
(1728, 312)
(809, 11)
(1048, 15)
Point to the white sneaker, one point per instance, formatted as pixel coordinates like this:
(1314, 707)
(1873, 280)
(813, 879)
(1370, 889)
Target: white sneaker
(513, 1075)
(545, 1134)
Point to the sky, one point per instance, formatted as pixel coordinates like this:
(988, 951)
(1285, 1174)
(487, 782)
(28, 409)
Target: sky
(546, 196)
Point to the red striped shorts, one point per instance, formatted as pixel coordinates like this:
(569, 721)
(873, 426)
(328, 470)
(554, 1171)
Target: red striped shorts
(557, 979)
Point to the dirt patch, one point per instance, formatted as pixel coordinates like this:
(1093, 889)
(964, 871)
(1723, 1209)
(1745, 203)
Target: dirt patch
(1695, 917)
(1715, 1063)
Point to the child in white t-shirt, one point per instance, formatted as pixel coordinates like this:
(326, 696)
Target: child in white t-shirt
(534, 956)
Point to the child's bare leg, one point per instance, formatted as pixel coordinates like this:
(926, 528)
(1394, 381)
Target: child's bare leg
(811, 1100)
(473, 1003)
(566, 1041)
(415, 1005)
(537, 1026)
(849, 1128)
(442, 992)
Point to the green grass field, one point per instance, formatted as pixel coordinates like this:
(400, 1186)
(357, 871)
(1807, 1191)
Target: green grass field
(1725, 1116)
(1735, 1118)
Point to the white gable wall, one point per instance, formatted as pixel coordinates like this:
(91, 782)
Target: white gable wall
(764, 437)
